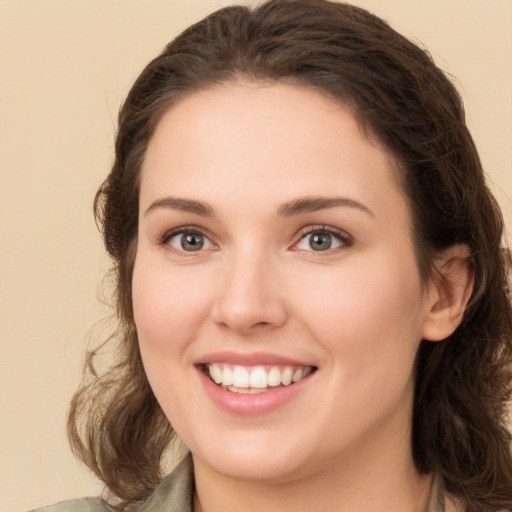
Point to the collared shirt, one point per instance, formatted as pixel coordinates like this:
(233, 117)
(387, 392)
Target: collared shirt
(176, 494)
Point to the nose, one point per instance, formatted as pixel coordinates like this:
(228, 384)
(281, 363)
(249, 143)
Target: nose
(250, 299)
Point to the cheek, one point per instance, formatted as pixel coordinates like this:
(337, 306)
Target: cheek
(165, 304)
(166, 311)
(367, 310)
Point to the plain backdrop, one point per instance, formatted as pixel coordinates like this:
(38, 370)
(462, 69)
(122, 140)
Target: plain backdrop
(65, 66)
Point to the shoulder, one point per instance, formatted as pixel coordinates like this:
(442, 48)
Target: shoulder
(77, 505)
(176, 491)
(174, 494)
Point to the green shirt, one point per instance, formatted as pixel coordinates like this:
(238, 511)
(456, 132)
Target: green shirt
(176, 494)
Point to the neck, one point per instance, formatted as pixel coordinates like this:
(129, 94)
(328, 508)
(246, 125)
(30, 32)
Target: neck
(380, 476)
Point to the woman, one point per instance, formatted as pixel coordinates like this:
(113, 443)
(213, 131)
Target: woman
(310, 285)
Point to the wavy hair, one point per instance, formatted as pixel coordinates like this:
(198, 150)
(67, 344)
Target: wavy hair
(401, 99)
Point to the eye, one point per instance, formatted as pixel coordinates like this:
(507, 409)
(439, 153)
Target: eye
(321, 240)
(189, 241)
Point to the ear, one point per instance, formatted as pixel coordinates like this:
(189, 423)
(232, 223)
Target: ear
(449, 293)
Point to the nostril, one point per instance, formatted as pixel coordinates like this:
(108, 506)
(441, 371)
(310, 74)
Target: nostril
(261, 324)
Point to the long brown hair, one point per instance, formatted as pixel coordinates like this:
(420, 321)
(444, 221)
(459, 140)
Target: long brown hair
(401, 98)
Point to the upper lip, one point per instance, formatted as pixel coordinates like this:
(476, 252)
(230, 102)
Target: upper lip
(250, 359)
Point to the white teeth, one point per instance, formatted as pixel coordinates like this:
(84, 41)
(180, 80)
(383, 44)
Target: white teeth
(258, 378)
(297, 375)
(242, 380)
(215, 373)
(274, 377)
(227, 376)
(240, 377)
(286, 377)
(247, 391)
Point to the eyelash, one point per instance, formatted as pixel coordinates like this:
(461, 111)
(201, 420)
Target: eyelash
(344, 239)
(182, 230)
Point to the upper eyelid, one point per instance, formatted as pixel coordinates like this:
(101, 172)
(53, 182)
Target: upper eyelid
(327, 229)
(186, 229)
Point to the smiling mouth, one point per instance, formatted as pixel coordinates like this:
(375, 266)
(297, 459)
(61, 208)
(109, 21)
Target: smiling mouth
(256, 379)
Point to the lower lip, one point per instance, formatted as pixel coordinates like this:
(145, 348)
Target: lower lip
(252, 404)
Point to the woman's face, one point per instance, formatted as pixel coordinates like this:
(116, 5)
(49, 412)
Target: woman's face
(274, 253)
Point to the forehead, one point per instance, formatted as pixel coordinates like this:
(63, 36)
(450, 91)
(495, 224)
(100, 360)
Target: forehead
(269, 139)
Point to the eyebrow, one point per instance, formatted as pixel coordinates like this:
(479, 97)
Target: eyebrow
(184, 205)
(289, 209)
(315, 203)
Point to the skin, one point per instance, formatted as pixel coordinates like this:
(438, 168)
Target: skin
(357, 311)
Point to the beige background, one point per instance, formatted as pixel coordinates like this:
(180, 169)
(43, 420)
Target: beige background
(65, 65)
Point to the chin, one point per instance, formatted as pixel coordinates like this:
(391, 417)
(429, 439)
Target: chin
(256, 460)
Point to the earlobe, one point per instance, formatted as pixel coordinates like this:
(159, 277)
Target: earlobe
(449, 293)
